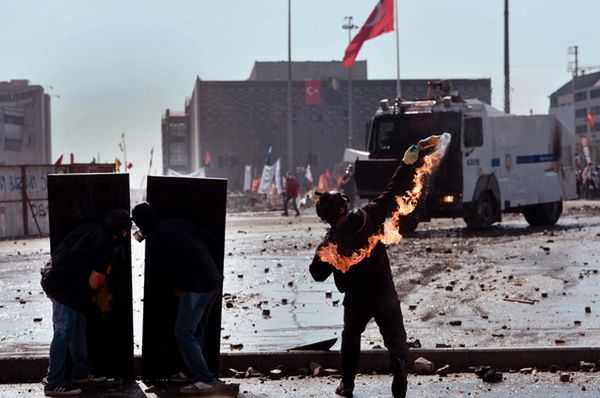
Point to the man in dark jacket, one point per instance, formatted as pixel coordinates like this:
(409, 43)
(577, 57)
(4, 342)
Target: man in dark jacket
(368, 285)
(78, 266)
(177, 254)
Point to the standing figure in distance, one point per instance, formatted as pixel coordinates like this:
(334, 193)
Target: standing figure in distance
(290, 191)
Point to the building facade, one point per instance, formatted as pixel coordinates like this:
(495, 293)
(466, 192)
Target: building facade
(25, 126)
(231, 124)
(175, 142)
(577, 106)
(572, 102)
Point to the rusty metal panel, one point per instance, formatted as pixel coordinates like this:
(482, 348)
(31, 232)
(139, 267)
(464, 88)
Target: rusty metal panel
(203, 200)
(77, 198)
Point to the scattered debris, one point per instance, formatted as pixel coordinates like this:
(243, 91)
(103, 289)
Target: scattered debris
(565, 377)
(315, 369)
(423, 366)
(522, 300)
(443, 371)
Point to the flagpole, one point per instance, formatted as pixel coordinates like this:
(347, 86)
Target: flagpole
(398, 91)
(349, 25)
(290, 140)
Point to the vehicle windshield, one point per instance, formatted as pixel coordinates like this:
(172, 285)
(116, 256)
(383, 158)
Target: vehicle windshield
(393, 134)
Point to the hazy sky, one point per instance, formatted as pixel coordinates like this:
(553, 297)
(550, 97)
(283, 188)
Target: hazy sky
(117, 65)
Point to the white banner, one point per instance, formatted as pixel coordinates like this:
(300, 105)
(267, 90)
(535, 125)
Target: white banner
(278, 184)
(267, 177)
(247, 177)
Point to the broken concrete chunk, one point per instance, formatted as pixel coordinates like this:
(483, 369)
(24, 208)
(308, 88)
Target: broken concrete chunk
(492, 376)
(565, 377)
(586, 366)
(315, 369)
(423, 366)
(455, 323)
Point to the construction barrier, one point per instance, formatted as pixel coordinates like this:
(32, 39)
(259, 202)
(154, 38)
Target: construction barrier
(24, 196)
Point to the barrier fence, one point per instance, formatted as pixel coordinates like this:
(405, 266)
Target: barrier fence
(24, 196)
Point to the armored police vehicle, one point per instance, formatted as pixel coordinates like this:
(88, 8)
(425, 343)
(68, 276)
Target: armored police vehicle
(495, 162)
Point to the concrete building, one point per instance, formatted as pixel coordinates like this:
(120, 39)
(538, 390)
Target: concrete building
(574, 99)
(233, 123)
(175, 142)
(25, 127)
(571, 104)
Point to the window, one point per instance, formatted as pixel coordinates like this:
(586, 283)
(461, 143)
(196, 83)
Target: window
(595, 93)
(473, 132)
(581, 129)
(178, 154)
(580, 112)
(595, 110)
(581, 96)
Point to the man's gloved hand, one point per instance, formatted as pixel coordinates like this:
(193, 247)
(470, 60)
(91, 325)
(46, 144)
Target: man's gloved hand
(411, 155)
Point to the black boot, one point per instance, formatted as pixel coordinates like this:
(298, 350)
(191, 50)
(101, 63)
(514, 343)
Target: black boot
(400, 382)
(345, 388)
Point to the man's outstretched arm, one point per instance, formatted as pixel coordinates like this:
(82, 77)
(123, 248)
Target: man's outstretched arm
(380, 207)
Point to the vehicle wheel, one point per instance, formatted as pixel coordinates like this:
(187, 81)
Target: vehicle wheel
(543, 214)
(481, 213)
(409, 223)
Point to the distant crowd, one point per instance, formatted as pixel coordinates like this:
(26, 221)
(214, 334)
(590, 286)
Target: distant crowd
(588, 182)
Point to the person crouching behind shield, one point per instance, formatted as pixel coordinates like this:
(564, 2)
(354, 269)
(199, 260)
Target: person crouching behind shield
(368, 285)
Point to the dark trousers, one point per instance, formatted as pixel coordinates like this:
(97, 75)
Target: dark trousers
(285, 205)
(388, 316)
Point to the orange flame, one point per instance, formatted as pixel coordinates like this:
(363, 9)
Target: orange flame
(391, 235)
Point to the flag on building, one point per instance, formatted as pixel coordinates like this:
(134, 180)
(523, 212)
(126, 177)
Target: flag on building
(129, 165)
(312, 92)
(380, 21)
(117, 164)
(590, 120)
(72, 158)
(59, 160)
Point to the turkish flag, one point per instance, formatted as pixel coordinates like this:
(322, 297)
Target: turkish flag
(312, 92)
(590, 119)
(380, 21)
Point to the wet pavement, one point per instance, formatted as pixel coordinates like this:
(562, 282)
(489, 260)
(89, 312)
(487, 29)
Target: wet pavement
(510, 286)
(545, 385)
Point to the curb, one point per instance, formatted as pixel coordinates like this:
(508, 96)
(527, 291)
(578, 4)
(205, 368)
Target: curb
(21, 370)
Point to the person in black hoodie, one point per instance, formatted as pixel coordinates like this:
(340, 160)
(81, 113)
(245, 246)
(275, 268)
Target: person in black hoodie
(78, 266)
(177, 254)
(368, 285)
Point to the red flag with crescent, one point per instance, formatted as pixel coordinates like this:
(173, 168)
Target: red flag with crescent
(312, 92)
(590, 119)
(380, 21)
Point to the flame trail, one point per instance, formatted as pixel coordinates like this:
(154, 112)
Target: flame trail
(406, 204)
